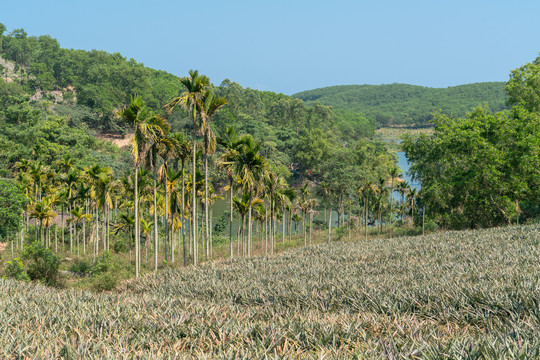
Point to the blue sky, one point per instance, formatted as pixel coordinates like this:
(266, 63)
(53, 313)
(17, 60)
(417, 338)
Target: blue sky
(295, 45)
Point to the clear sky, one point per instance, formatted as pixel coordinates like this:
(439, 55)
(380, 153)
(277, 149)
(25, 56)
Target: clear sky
(294, 45)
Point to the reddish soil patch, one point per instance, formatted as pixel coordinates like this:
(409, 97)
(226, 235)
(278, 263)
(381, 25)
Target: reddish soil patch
(118, 140)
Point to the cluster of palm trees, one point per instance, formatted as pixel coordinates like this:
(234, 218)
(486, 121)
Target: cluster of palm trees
(63, 195)
(162, 200)
(377, 200)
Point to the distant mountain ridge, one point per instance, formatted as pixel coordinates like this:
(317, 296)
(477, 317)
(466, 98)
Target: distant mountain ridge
(394, 104)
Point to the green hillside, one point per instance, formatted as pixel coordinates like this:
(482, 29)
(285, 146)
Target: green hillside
(42, 82)
(394, 104)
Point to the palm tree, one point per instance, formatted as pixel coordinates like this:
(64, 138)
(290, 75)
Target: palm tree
(182, 150)
(325, 192)
(78, 216)
(394, 174)
(403, 189)
(250, 167)
(208, 106)
(411, 197)
(190, 100)
(382, 191)
(232, 144)
(241, 205)
(147, 127)
(125, 223)
(162, 146)
(42, 211)
(70, 180)
(368, 189)
(170, 178)
(104, 187)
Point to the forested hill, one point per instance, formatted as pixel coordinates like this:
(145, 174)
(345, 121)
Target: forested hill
(54, 101)
(408, 104)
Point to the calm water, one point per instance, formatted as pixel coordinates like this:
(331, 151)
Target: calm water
(403, 164)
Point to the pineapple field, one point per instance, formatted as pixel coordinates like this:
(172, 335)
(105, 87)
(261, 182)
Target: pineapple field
(453, 295)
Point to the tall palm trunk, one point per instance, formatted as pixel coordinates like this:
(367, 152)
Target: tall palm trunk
(97, 230)
(366, 214)
(266, 230)
(271, 226)
(249, 227)
(304, 227)
(310, 225)
(63, 227)
(290, 224)
(70, 234)
(167, 219)
(283, 225)
(194, 189)
(84, 238)
(206, 205)
(184, 216)
(231, 215)
(330, 225)
(156, 228)
(392, 202)
(137, 250)
(104, 227)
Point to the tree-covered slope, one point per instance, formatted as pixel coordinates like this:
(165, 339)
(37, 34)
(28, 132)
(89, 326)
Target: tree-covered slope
(408, 104)
(84, 90)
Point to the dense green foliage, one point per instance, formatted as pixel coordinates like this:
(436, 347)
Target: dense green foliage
(484, 169)
(524, 85)
(41, 263)
(396, 104)
(97, 79)
(12, 202)
(475, 171)
(455, 295)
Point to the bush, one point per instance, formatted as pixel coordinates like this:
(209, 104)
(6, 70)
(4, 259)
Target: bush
(103, 264)
(15, 270)
(431, 226)
(341, 232)
(42, 263)
(105, 282)
(81, 267)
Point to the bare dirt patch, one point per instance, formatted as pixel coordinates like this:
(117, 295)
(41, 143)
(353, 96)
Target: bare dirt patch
(119, 140)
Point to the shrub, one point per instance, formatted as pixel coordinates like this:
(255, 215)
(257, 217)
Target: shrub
(103, 264)
(15, 270)
(431, 226)
(42, 263)
(105, 282)
(81, 267)
(341, 232)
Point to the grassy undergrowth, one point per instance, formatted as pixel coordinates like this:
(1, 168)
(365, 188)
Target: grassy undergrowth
(470, 294)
